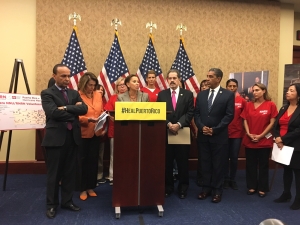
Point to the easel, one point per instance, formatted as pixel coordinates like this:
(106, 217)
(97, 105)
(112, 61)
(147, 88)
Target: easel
(13, 89)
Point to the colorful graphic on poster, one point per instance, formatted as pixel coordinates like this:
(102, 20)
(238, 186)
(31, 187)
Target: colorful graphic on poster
(21, 112)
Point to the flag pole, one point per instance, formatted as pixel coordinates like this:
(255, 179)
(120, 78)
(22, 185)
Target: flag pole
(74, 16)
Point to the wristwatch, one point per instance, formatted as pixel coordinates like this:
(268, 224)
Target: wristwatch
(65, 108)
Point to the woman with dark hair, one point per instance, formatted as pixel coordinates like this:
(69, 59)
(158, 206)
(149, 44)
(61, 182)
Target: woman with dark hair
(236, 132)
(203, 85)
(133, 94)
(259, 117)
(287, 132)
(89, 150)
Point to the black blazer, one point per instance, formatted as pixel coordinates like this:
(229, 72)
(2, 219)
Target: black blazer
(292, 137)
(184, 106)
(56, 120)
(219, 117)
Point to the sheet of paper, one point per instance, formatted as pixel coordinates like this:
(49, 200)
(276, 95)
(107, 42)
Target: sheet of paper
(101, 121)
(282, 156)
(182, 138)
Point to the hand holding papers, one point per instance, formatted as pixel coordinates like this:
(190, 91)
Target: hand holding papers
(101, 121)
(283, 155)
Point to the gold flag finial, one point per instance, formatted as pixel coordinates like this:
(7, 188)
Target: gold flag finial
(74, 16)
(181, 27)
(151, 25)
(116, 22)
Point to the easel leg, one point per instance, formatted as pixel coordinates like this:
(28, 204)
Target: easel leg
(7, 159)
(1, 139)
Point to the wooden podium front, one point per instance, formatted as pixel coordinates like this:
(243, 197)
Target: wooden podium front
(139, 164)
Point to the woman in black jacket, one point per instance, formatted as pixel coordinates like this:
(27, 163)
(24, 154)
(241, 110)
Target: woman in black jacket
(287, 132)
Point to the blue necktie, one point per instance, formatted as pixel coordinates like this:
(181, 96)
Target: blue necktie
(210, 100)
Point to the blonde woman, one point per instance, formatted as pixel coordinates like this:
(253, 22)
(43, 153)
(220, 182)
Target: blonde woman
(110, 105)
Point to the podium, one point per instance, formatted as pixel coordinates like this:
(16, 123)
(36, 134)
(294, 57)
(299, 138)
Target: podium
(139, 164)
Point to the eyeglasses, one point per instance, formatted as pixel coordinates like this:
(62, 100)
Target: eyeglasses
(121, 85)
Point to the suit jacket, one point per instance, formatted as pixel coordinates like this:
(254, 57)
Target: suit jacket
(56, 120)
(95, 108)
(292, 137)
(184, 106)
(141, 97)
(219, 117)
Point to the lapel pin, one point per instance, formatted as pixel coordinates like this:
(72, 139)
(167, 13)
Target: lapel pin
(181, 94)
(220, 92)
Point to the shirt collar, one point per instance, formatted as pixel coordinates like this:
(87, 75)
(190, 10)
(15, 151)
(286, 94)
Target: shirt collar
(216, 90)
(61, 88)
(176, 90)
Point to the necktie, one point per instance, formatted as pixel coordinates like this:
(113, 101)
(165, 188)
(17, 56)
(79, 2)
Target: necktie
(174, 100)
(210, 100)
(69, 124)
(64, 92)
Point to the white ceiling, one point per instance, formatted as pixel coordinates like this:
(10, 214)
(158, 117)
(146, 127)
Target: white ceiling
(295, 2)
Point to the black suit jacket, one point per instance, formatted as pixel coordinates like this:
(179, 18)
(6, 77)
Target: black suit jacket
(184, 106)
(219, 117)
(292, 137)
(56, 120)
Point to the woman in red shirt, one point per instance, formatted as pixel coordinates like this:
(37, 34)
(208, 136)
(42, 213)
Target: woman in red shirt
(287, 132)
(236, 133)
(110, 105)
(259, 117)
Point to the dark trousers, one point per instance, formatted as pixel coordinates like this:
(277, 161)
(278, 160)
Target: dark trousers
(89, 153)
(234, 145)
(258, 157)
(61, 162)
(199, 168)
(213, 157)
(181, 154)
(288, 180)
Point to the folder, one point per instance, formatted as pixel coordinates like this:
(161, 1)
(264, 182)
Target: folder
(183, 137)
(282, 156)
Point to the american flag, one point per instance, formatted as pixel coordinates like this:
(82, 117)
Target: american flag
(114, 67)
(183, 64)
(73, 58)
(150, 62)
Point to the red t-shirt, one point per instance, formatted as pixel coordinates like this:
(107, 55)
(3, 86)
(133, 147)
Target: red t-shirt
(110, 105)
(258, 119)
(236, 128)
(283, 123)
(152, 94)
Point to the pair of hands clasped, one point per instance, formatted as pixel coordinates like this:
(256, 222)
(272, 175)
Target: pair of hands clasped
(207, 131)
(173, 128)
(254, 137)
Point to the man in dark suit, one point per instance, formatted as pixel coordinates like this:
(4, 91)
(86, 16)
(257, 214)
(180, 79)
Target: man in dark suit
(214, 111)
(180, 104)
(62, 107)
